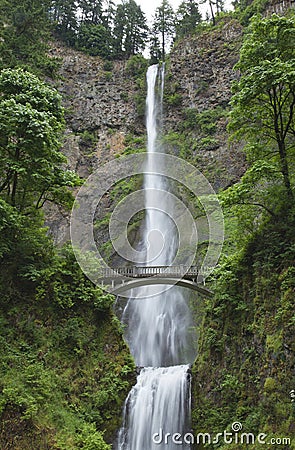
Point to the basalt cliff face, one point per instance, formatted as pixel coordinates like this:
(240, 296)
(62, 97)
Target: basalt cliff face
(105, 109)
(200, 75)
(100, 113)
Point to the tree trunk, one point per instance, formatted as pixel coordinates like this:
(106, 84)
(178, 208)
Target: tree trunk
(280, 138)
(14, 180)
(212, 12)
(285, 168)
(163, 45)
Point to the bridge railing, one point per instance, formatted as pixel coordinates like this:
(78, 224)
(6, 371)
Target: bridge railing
(142, 272)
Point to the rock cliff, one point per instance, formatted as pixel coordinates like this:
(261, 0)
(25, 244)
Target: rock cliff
(200, 74)
(100, 113)
(102, 110)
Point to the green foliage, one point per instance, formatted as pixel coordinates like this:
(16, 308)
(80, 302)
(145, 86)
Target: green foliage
(108, 66)
(88, 139)
(188, 17)
(28, 386)
(130, 29)
(64, 368)
(243, 371)
(246, 9)
(24, 34)
(137, 66)
(31, 122)
(163, 26)
(203, 122)
(91, 439)
(24, 245)
(64, 20)
(264, 97)
(108, 76)
(65, 284)
(95, 40)
(174, 99)
(255, 189)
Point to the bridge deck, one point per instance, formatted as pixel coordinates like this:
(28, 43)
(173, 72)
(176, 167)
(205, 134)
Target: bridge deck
(125, 278)
(151, 271)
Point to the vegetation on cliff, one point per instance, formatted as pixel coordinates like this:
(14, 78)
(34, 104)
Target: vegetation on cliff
(65, 370)
(243, 371)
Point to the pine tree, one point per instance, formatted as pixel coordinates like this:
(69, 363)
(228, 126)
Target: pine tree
(130, 29)
(164, 25)
(64, 15)
(24, 32)
(91, 11)
(155, 48)
(188, 16)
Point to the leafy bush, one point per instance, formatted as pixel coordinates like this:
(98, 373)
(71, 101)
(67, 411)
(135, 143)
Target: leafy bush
(91, 439)
(137, 66)
(66, 285)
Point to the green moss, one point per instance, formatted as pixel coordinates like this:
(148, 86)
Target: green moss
(269, 385)
(65, 370)
(244, 366)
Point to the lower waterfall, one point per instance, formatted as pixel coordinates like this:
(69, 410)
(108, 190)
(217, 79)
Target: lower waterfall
(159, 325)
(157, 407)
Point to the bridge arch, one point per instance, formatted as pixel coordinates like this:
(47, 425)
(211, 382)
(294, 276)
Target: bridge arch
(137, 282)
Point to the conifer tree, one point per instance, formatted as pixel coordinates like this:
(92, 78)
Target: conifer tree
(188, 16)
(24, 32)
(130, 29)
(164, 25)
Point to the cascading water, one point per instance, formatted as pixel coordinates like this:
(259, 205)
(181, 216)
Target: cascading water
(158, 404)
(159, 323)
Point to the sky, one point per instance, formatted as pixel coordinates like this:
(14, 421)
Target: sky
(149, 6)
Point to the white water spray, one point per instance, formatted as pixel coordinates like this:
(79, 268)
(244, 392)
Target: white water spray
(158, 404)
(159, 323)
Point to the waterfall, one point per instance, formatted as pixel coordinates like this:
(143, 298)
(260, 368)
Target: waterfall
(158, 404)
(159, 324)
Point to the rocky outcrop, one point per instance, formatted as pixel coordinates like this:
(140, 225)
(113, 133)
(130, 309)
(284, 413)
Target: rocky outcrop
(200, 76)
(202, 65)
(99, 98)
(100, 102)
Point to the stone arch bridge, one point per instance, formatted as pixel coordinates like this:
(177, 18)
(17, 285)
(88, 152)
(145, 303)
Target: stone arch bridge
(122, 279)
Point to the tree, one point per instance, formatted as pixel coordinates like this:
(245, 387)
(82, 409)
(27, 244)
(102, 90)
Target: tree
(94, 34)
(130, 29)
(119, 31)
(24, 32)
(108, 15)
(136, 29)
(164, 25)
(155, 47)
(91, 11)
(31, 122)
(64, 15)
(264, 100)
(188, 16)
(95, 40)
(219, 7)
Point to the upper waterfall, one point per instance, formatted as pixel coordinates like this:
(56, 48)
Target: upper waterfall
(159, 325)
